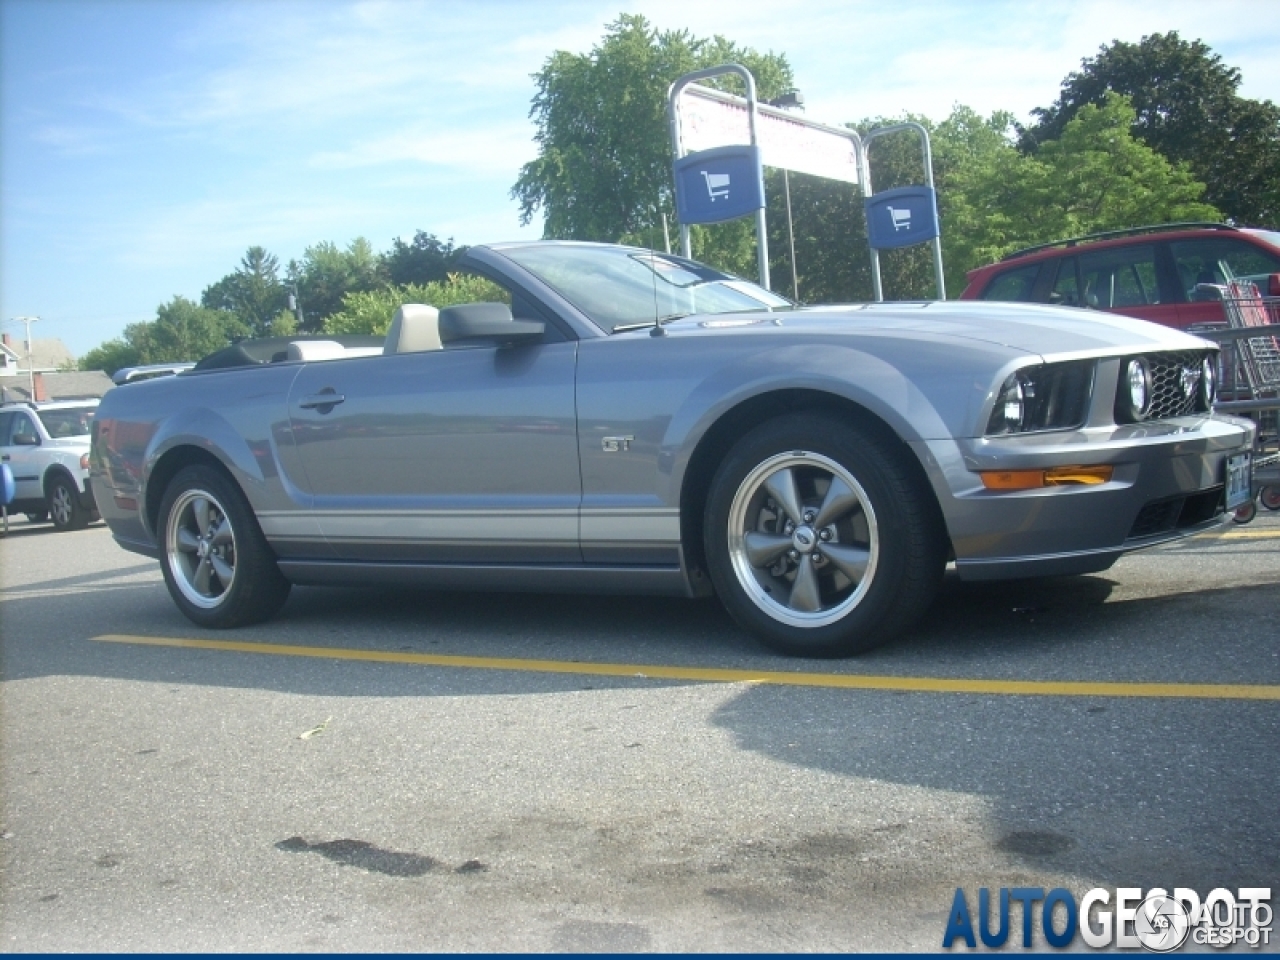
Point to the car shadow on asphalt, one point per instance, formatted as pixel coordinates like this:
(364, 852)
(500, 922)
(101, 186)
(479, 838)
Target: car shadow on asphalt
(1122, 791)
(1068, 628)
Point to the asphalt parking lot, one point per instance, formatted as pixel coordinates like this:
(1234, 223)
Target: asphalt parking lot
(389, 771)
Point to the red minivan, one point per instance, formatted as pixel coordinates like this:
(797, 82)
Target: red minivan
(1148, 272)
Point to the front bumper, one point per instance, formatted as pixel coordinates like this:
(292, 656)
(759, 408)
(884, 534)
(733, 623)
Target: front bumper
(1168, 483)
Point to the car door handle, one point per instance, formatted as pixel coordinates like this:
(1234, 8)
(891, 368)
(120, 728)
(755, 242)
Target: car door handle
(5, 458)
(321, 400)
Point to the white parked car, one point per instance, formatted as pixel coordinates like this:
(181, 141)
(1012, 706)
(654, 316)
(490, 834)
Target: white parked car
(46, 446)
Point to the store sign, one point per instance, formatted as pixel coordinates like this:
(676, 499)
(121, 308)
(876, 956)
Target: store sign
(902, 217)
(719, 184)
(786, 143)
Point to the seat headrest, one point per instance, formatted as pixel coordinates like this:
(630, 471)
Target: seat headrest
(308, 350)
(414, 328)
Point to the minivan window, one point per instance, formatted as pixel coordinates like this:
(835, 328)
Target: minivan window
(1066, 288)
(1120, 277)
(25, 428)
(67, 421)
(1013, 284)
(1220, 260)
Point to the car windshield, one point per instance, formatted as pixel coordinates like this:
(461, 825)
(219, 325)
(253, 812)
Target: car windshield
(623, 288)
(67, 421)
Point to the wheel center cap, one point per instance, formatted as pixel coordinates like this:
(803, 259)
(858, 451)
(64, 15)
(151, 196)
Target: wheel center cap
(804, 539)
(202, 549)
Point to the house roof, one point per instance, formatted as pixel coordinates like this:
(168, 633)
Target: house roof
(47, 354)
(73, 385)
(50, 354)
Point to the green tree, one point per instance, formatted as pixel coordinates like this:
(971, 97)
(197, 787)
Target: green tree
(111, 356)
(831, 239)
(370, 311)
(1186, 107)
(1095, 177)
(328, 273)
(187, 331)
(181, 331)
(423, 260)
(603, 169)
(253, 292)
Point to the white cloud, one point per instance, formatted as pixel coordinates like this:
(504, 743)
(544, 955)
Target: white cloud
(488, 150)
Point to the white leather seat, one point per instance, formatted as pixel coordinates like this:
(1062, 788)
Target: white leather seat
(414, 328)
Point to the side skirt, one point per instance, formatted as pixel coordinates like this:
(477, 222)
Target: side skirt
(667, 581)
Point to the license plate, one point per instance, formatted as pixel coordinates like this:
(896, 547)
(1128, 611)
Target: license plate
(1239, 480)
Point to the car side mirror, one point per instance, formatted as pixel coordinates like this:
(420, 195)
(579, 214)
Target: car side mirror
(26, 440)
(1273, 285)
(490, 322)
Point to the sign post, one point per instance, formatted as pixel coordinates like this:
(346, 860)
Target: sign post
(721, 167)
(904, 216)
(718, 177)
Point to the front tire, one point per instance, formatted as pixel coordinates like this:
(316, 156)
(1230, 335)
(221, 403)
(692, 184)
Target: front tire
(819, 538)
(64, 505)
(217, 565)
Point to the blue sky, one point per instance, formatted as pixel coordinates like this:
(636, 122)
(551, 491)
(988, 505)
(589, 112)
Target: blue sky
(144, 145)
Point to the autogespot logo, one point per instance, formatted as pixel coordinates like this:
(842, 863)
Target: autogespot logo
(1155, 920)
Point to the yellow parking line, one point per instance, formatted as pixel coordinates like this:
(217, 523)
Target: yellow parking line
(1213, 691)
(1252, 535)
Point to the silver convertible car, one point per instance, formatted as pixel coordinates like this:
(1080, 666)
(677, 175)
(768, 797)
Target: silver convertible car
(620, 420)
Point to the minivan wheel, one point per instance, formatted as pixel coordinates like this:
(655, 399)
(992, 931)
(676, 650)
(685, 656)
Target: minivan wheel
(217, 564)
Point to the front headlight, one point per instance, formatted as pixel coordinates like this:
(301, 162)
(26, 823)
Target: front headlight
(1051, 396)
(1137, 378)
(1010, 412)
(1208, 383)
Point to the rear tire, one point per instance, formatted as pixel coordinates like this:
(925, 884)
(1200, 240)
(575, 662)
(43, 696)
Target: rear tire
(819, 538)
(216, 562)
(64, 505)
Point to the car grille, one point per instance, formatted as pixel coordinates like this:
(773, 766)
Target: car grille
(1177, 513)
(1175, 385)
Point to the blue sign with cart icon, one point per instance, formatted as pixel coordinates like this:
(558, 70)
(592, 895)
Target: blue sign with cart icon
(902, 217)
(720, 184)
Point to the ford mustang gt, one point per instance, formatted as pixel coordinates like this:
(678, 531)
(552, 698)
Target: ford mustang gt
(619, 420)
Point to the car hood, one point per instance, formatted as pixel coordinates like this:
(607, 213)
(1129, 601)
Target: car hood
(1030, 328)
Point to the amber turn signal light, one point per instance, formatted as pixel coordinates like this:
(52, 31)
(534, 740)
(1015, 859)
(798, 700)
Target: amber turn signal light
(1053, 477)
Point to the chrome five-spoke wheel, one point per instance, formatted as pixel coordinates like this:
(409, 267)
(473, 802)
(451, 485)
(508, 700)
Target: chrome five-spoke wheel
(217, 565)
(803, 539)
(821, 535)
(200, 545)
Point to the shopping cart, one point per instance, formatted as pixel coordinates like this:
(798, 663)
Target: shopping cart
(1249, 378)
